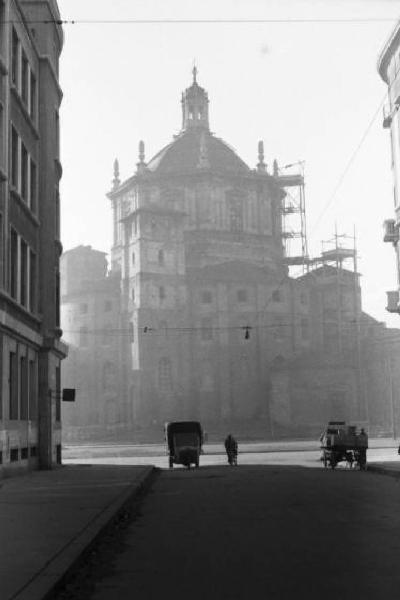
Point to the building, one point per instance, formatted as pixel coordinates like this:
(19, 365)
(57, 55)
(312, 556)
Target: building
(30, 247)
(389, 70)
(210, 324)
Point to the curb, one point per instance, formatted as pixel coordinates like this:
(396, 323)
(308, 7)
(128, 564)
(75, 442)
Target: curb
(382, 471)
(43, 584)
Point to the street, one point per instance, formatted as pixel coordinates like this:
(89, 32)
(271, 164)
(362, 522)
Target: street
(256, 531)
(301, 453)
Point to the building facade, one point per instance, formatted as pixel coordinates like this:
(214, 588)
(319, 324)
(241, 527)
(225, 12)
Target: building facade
(209, 323)
(30, 335)
(389, 70)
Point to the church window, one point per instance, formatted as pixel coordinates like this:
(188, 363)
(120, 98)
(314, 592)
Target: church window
(242, 295)
(161, 257)
(133, 258)
(161, 292)
(191, 113)
(131, 332)
(164, 374)
(133, 294)
(235, 212)
(206, 297)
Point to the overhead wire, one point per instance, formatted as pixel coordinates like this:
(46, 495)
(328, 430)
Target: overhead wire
(222, 21)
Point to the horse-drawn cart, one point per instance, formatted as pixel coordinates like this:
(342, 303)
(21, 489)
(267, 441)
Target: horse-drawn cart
(343, 443)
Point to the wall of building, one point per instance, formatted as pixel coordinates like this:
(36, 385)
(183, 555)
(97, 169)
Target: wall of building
(30, 346)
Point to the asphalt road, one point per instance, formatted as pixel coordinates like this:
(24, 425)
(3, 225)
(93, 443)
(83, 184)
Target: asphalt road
(256, 531)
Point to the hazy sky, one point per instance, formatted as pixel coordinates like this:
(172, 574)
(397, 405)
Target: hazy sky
(309, 90)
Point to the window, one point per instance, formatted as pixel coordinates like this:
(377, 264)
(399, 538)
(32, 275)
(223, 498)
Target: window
(242, 295)
(133, 294)
(1, 251)
(32, 281)
(161, 257)
(58, 394)
(24, 274)
(107, 306)
(24, 173)
(57, 298)
(131, 333)
(32, 100)
(15, 58)
(14, 158)
(13, 386)
(161, 292)
(83, 337)
(32, 391)
(13, 264)
(24, 78)
(305, 331)
(206, 297)
(206, 329)
(57, 132)
(23, 383)
(277, 296)
(57, 215)
(83, 308)
(164, 374)
(106, 334)
(133, 258)
(235, 211)
(33, 187)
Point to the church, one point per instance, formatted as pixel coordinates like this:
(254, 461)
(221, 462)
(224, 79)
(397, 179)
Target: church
(197, 316)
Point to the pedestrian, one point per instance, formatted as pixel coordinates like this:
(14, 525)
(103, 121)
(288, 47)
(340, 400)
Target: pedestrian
(231, 447)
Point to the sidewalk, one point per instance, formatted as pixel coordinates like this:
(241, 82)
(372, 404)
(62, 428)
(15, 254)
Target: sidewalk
(48, 518)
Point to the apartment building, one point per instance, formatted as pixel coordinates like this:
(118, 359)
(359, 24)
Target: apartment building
(30, 336)
(389, 70)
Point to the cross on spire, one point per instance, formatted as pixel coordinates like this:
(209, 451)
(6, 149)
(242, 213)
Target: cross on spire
(194, 71)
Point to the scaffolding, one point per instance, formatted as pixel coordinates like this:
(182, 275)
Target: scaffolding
(339, 258)
(294, 230)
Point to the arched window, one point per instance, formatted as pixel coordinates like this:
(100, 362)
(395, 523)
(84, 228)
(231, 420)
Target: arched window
(133, 294)
(133, 258)
(161, 292)
(161, 257)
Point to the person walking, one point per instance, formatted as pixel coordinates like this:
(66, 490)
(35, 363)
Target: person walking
(231, 448)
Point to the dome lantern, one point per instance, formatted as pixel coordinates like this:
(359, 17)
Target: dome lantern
(194, 105)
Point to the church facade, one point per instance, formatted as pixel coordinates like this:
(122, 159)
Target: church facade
(209, 325)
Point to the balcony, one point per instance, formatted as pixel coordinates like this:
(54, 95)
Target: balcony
(393, 302)
(391, 231)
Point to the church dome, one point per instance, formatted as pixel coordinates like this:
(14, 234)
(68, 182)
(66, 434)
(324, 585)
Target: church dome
(195, 148)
